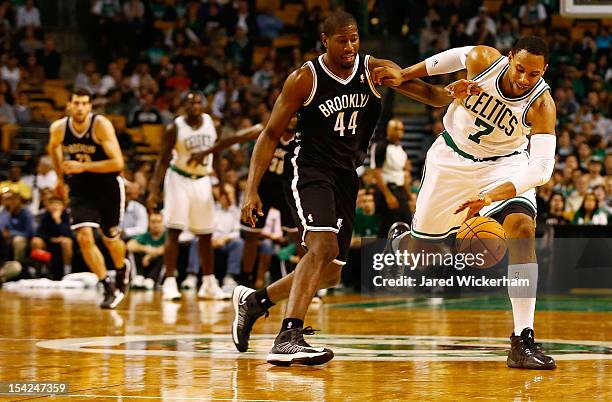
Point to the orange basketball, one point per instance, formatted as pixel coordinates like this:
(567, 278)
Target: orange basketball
(484, 238)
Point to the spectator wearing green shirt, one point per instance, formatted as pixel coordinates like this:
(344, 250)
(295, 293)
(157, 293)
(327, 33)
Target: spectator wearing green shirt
(148, 251)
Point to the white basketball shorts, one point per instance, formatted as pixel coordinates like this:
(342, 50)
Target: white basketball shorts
(188, 203)
(449, 179)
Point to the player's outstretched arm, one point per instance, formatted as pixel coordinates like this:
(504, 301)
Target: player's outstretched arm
(244, 135)
(167, 145)
(295, 91)
(433, 95)
(542, 116)
(473, 58)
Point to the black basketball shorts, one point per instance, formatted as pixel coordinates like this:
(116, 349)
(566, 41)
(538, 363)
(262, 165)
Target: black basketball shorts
(324, 201)
(98, 203)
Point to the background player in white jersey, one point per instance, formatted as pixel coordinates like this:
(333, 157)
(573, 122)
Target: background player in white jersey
(188, 198)
(481, 157)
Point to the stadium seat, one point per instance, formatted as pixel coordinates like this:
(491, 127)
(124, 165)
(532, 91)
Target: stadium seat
(117, 119)
(324, 4)
(286, 40)
(559, 21)
(493, 6)
(152, 134)
(8, 132)
(261, 5)
(289, 14)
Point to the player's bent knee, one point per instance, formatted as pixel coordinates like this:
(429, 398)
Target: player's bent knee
(323, 245)
(519, 226)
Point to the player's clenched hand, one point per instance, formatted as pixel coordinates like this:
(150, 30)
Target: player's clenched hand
(473, 205)
(392, 201)
(152, 201)
(197, 158)
(462, 88)
(60, 190)
(251, 208)
(73, 167)
(388, 76)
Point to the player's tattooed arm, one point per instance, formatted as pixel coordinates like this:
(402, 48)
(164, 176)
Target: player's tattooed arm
(167, 145)
(295, 91)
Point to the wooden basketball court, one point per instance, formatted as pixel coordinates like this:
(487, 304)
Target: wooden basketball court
(386, 349)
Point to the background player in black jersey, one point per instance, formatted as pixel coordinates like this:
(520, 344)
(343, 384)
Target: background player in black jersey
(275, 190)
(338, 108)
(97, 194)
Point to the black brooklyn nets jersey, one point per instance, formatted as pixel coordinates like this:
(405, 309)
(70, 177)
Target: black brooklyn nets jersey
(336, 122)
(280, 166)
(82, 147)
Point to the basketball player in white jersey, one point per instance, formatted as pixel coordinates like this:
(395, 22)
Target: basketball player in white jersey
(188, 198)
(482, 157)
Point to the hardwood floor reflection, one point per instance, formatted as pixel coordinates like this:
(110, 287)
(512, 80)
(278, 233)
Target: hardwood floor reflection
(386, 350)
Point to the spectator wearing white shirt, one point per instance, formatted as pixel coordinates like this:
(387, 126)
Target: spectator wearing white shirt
(482, 15)
(220, 100)
(28, 15)
(226, 237)
(135, 219)
(11, 73)
(532, 13)
(7, 114)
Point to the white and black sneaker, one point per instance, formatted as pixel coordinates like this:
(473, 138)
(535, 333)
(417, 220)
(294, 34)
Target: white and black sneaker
(291, 348)
(396, 232)
(527, 354)
(112, 298)
(246, 312)
(124, 276)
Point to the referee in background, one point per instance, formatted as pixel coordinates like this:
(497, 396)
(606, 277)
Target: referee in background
(390, 162)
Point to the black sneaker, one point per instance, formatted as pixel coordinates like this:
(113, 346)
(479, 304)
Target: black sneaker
(525, 353)
(246, 312)
(291, 348)
(112, 299)
(397, 230)
(123, 277)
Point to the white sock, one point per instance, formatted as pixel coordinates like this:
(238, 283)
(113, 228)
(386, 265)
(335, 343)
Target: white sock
(523, 298)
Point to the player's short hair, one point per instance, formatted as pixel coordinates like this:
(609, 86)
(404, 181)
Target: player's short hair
(336, 20)
(532, 44)
(192, 93)
(82, 92)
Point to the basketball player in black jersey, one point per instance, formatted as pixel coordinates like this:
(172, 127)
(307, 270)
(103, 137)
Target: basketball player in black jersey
(97, 195)
(338, 108)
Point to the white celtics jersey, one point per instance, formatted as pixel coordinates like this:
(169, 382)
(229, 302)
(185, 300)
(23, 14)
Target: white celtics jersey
(491, 124)
(189, 141)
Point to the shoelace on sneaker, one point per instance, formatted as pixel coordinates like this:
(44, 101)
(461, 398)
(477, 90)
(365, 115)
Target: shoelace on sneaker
(309, 331)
